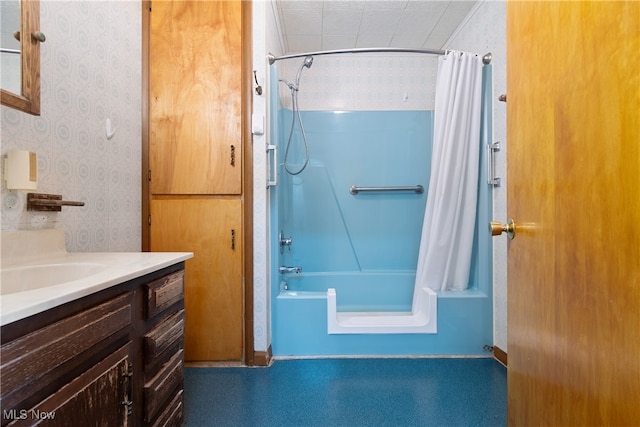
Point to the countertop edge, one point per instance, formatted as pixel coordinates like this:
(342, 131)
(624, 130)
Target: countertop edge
(122, 268)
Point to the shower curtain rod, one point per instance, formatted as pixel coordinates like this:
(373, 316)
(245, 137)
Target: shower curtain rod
(486, 59)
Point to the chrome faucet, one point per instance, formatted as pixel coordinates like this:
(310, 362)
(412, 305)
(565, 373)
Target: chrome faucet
(284, 269)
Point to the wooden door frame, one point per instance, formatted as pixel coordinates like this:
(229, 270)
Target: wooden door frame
(247, 179)
(247, 164)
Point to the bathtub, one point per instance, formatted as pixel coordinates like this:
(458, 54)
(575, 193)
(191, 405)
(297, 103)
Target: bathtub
(375, 291)
(301, 319)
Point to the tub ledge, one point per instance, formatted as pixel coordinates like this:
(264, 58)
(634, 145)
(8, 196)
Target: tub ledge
(422, 320)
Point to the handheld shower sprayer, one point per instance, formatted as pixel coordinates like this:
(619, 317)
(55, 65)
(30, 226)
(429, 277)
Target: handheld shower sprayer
(305, 64)
(296, 112)
(308, 61)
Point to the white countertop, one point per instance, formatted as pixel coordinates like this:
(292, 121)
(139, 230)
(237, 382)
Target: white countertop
(118, 268)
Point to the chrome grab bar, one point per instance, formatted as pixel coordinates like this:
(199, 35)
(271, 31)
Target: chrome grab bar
(272, 169)
(492, 179)
(419, 189)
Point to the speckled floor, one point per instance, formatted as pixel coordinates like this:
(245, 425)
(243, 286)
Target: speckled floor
(349, 392)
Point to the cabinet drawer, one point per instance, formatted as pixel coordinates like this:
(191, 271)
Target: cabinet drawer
(164, 292)
(28, 360)
(163, 386)
(173, 414)
(163, 336)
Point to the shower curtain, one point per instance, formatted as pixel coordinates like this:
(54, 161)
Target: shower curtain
(444, 258)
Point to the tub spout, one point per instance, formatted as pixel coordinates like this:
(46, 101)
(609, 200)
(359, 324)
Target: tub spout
(296, 270)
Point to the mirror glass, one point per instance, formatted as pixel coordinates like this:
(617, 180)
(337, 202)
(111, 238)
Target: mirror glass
(10, 46)
(22, 90)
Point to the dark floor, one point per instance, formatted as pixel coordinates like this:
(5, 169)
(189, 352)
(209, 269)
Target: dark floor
(349, 392)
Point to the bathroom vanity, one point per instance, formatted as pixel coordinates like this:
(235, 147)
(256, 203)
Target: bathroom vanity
(109, 349)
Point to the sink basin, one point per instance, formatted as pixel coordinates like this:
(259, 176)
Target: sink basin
(27, 278)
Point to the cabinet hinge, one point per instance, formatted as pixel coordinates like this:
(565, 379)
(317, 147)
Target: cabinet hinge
(149, 220)
(126, 389)
(128, 372)
(149, 5)
(149, 175)
(128, 404)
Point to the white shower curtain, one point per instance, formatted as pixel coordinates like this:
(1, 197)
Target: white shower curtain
(447, 233)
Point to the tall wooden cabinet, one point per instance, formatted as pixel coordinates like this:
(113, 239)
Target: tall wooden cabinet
(213, 294)
(196, 161)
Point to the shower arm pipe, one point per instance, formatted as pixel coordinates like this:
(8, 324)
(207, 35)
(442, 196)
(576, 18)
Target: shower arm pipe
(486, 59)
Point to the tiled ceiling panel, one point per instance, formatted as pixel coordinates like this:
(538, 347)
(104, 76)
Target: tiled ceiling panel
(338, 24)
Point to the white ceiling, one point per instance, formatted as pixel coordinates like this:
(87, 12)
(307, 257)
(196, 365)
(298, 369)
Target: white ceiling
(312, 25)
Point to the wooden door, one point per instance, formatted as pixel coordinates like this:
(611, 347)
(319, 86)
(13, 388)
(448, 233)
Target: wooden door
(573, 114)
(195, 97)
(211, 228)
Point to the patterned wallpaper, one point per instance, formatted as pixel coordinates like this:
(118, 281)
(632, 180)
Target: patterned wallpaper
(90, 72)
(264, 40)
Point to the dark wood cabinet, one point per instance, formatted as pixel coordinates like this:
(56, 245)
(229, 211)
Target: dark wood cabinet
(114, 358)
(101, 396)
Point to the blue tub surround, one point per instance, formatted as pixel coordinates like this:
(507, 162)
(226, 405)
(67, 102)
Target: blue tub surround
(364, 246)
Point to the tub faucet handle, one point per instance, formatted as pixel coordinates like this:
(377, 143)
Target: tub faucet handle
(284, 241)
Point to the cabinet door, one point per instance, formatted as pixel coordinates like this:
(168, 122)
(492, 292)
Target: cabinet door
(211, 229)
(33, 362)
(98, 397)
(195, 97)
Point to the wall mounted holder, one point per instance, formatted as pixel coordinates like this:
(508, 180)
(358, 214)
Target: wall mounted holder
(21, 170)
(48, 202)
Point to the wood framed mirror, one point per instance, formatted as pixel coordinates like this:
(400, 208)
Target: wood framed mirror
(25, 93)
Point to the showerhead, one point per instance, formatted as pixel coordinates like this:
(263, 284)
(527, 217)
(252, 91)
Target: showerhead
(305, 64)
(308, 61)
